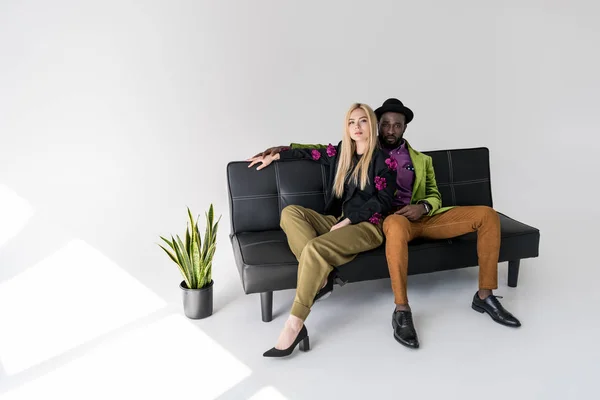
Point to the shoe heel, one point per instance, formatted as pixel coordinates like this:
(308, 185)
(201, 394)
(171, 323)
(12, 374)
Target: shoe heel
(326, 295)
(304, 344)
(478, 309)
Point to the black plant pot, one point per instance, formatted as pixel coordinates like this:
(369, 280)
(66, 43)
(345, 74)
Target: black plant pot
(197, 303)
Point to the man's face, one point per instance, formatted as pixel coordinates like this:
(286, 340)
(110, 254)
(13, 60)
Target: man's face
(391, 129)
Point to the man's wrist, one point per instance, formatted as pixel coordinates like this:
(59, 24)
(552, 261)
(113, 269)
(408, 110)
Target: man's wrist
(426, 206)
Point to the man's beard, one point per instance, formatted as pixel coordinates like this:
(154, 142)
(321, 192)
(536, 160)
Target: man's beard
(390, 145)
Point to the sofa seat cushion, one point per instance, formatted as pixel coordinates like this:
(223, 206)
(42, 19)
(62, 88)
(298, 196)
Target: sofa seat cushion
(266, 263)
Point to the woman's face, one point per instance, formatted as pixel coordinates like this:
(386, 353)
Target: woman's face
(358, 125)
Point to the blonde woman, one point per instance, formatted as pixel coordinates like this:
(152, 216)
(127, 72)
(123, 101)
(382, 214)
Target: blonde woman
(363, 187)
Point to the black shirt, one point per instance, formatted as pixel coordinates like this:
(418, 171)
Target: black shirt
(347, 193)
(372, 202)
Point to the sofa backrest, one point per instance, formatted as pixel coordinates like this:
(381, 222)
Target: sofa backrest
(256, 198)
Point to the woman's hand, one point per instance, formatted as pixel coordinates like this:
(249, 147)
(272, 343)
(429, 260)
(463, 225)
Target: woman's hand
(341, 224)
(266, 161)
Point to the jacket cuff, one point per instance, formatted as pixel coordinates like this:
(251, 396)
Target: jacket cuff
(286, 154)
(431, 207)
(353, 217)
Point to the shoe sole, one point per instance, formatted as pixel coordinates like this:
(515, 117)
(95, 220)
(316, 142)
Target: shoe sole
(483, 310)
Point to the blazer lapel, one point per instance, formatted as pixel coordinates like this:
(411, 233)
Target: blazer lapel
(419, 165)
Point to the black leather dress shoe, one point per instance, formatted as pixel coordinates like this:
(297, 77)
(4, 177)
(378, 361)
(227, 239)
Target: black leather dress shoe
(404, 330)
(326, 290)
(492, 306)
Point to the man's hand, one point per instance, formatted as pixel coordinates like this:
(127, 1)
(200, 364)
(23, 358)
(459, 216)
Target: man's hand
(270, 151)
(341, 224)
(266, 161)
(412, 212)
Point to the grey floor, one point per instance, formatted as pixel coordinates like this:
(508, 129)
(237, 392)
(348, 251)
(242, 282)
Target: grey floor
(129, 341)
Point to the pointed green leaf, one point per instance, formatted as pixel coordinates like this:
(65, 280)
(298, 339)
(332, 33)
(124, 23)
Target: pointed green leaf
(189, 228)
(190, 216)
(213, 238)
(198, 233)
(209, 225)
(185, 277)
(197, 245)
(215, 229)
(208, 263)
(184, 260)
(188, 263)
(177, 251)
(171, 255)
(211, 214)
(211, 253)
(168, 242)
(194, 250)
(187, 239)
(206, 235)
(195, 256)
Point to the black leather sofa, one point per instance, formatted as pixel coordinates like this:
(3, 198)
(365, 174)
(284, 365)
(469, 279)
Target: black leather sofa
(266, 264)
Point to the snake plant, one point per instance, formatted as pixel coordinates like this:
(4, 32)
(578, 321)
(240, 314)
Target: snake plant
(194, 258)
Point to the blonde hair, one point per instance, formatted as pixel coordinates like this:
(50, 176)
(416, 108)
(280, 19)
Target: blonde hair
(361, 171)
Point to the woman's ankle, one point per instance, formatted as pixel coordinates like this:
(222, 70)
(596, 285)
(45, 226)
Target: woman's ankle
(294, 323)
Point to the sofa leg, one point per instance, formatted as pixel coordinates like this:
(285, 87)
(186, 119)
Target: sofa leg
(266, 306)
(513, 272)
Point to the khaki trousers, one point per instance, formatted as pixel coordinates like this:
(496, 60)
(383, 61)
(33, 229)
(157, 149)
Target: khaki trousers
(318, 250)
(454, 222)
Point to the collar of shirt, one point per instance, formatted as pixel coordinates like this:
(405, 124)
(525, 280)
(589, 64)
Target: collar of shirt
(398, 149)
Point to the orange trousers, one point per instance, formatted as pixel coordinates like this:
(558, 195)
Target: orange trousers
(457, 221)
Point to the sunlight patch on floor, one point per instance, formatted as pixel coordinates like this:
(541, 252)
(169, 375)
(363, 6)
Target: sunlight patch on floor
(268, 393)
(67, 299)
(167, 359)
(15, 212)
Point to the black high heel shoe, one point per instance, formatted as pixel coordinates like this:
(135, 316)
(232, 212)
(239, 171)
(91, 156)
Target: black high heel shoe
(326, 290)
(302, 338)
